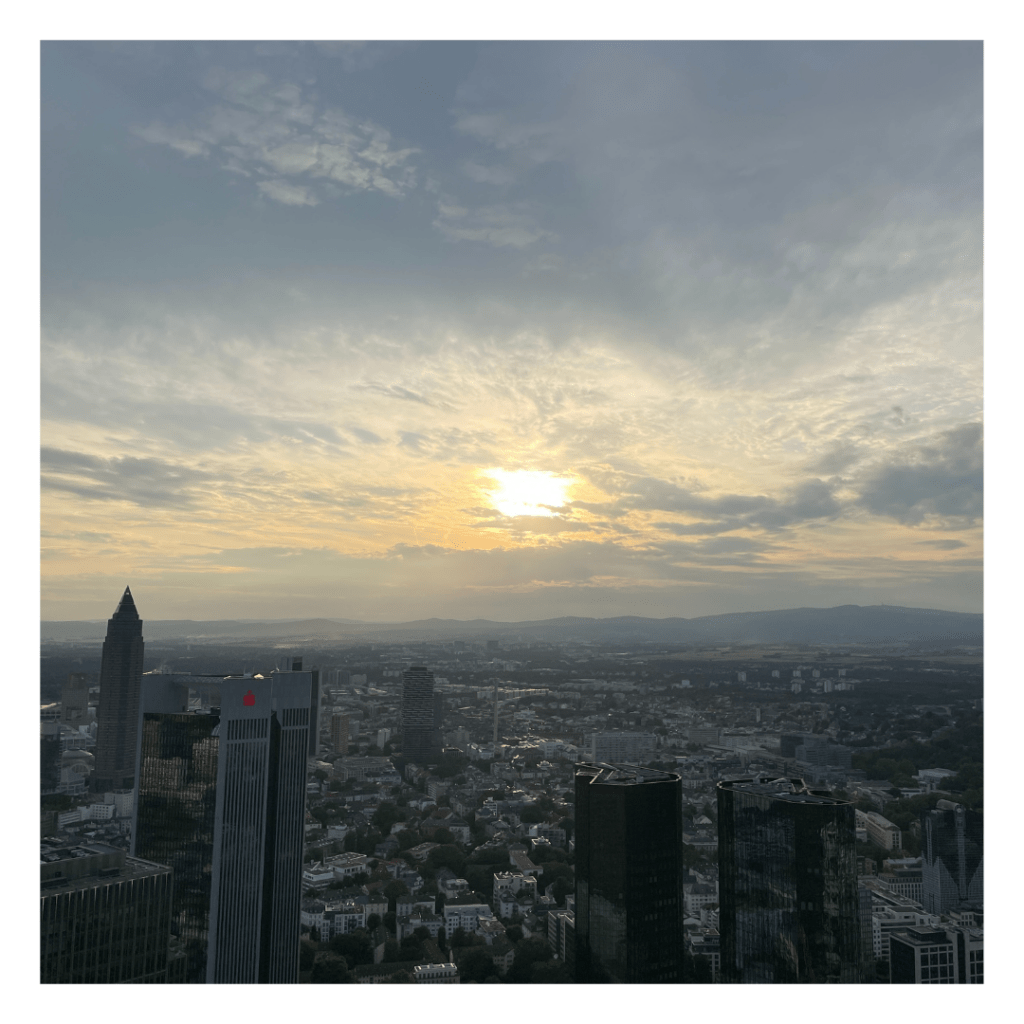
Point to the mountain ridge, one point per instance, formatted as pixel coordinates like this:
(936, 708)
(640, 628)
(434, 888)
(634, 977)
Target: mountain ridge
(842, 623)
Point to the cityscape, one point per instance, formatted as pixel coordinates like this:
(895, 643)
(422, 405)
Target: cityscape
(511, 513)
(520, 811)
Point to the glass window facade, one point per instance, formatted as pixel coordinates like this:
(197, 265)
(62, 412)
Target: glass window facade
(174, 819)
(629, 872)
(108, 926)
(789, 905)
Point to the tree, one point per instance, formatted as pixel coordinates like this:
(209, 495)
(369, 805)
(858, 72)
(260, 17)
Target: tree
(355, 947)
(448, 857)
(372, 922)
(307, 955)
(393, 890)
(476, 965)
(443, 836)
(386, 815)
(330, 969)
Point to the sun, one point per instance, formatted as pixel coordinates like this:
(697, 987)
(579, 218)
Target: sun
(525, 492)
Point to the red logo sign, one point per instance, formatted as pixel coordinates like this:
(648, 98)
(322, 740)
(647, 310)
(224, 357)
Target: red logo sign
(249, 700)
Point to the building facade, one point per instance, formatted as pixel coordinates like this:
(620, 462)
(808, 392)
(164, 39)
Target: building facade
(421, 735)
(222, 800)
(74, 700)
(629, 874)
(789, 908)
(937, 956)
(105, 918)
(952, 860)
(622, 747)
(117, 715)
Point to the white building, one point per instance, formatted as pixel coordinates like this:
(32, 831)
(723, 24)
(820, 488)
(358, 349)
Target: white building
(465, 912)
(435, 974)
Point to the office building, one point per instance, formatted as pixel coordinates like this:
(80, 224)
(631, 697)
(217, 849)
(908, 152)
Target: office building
(952, 861)
(222, 800)
(105, 918)
(340, 734)
(937, 956)
(787, 878)
(117, 716)
(622, 747)
(629, 874)
(74, 700)
(421, 732)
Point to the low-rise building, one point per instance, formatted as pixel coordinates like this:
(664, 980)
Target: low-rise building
(435, 974)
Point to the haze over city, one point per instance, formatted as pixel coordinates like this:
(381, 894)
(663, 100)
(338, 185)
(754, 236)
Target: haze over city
(387, 331)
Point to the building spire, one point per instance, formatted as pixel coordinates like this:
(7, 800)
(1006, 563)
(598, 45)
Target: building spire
(126, 606)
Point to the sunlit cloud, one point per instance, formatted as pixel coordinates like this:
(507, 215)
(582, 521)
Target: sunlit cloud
(657, 329)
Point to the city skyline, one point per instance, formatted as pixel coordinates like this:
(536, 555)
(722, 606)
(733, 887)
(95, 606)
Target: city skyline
(388, 331)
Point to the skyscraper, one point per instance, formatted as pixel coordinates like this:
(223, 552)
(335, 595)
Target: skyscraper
(629, 874)
(952, 861)
(104, 917)
(789, 907)
(117, 716)
(421, 733)
(222, 800)
(74, 699)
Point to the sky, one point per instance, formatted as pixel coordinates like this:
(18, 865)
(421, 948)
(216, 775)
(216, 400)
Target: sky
(389, 331)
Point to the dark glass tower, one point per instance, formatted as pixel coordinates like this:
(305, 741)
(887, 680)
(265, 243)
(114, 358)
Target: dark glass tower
(787, 884)
(629, 874)
(104, 917)
(221, 799)
(421, 735)
(117, 716)
(952, 863)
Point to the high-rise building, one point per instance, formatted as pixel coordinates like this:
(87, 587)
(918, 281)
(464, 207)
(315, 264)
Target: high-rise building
(105, 917)
(952, 861)
(117, 716)
(789, 907)
(629, 874)
(340, 734)
(222, 800)
(421, 732)
(622, 747)
(74, 699)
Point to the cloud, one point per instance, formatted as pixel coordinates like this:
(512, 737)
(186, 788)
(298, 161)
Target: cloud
(145, 482)
(942, 545)
(487, 175)
(290, 195)
(811, 500)
(496, 225)
(942, 479)
(274, 130)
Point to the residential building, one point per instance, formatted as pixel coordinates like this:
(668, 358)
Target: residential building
(629, 893)
(465, 912)
(117, 716)
(787, 883)
(105, 918)
(435, 974)
(221, 799)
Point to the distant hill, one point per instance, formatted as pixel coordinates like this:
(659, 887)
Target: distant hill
(847, 624)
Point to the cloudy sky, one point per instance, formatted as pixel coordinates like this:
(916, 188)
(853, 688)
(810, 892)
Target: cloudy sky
(387, 331)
